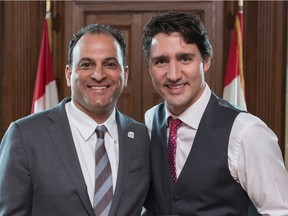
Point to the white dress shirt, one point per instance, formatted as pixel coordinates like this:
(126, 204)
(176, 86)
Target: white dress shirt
(254, 157)
(84, 136)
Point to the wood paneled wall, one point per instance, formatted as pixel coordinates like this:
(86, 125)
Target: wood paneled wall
(130, 17)
(21, 32)
(265, 35)
(265, 62)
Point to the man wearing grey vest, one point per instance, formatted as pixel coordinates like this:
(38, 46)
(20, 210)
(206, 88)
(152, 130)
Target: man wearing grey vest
(215, 159)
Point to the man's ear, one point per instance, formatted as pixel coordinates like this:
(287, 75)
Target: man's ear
(126, 74)
(68, 73)
(206, 64)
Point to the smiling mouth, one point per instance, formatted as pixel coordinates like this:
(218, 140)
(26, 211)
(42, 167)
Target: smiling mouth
(98, 87)
(175, 86)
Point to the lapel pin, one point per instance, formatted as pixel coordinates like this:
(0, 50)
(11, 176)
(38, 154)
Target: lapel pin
(131, 134)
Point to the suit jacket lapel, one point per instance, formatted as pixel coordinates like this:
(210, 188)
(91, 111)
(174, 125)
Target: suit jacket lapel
(62, 138)
(125, 143)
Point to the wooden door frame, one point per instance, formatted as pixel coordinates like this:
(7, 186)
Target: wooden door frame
(210, 12)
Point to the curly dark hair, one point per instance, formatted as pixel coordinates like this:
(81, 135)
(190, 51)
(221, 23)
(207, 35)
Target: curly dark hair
(188, 25)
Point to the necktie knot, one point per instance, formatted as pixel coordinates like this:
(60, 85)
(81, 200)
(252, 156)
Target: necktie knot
(100, 131)
(174, 123)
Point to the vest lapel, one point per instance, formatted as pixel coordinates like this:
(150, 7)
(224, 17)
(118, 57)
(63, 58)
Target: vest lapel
(159, 138)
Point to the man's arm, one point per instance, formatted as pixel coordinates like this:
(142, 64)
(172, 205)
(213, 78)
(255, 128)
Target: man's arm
(15, 177)
(260, 167)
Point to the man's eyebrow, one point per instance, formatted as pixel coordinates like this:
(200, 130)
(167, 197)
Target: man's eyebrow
(86, 59)
(158, 57)
(179, 55)
(111, 59)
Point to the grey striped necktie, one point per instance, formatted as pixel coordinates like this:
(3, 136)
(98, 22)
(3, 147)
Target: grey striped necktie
(103, 176)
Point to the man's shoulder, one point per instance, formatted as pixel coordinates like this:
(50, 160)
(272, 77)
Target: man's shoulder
(51, 114)
(35, 117)
(150, 112)
(128, 119)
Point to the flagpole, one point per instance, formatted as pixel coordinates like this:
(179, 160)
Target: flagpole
(240, 45)
(240, 4)
(49, 22)
(48, 6)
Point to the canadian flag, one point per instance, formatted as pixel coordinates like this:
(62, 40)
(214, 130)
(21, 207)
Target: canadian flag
(234, 87)
(45, 91)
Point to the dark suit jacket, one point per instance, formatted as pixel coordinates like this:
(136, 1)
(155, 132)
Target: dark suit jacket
(40, 172)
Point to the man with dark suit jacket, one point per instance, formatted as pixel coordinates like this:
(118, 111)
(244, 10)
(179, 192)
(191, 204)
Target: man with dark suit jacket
(208, 158)
(47, 160)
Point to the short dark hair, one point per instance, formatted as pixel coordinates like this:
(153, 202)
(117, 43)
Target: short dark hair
(188, 25)
(97, 28)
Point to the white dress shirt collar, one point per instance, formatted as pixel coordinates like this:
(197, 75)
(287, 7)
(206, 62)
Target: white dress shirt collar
(87, 125)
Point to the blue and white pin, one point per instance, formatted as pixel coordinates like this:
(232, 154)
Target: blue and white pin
(131, 134)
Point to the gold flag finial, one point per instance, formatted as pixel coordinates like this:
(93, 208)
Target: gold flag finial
(240, 3)
(49, 22)
(48, 6)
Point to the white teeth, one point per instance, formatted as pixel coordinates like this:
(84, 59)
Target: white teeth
(98, 87)
(176, 86)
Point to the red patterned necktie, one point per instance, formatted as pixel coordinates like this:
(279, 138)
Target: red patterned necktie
(171, 150)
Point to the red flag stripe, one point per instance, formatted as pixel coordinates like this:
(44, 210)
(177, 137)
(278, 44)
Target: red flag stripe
(235, 53)
(45, 71)
(234, 84)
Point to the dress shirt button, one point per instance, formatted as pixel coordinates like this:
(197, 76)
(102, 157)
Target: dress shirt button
(175, 198)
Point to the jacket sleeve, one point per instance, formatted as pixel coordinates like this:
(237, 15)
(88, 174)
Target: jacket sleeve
(148, 209)
(15, 177)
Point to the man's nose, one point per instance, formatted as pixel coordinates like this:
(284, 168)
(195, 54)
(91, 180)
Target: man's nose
(98, 73)
(173, 72)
